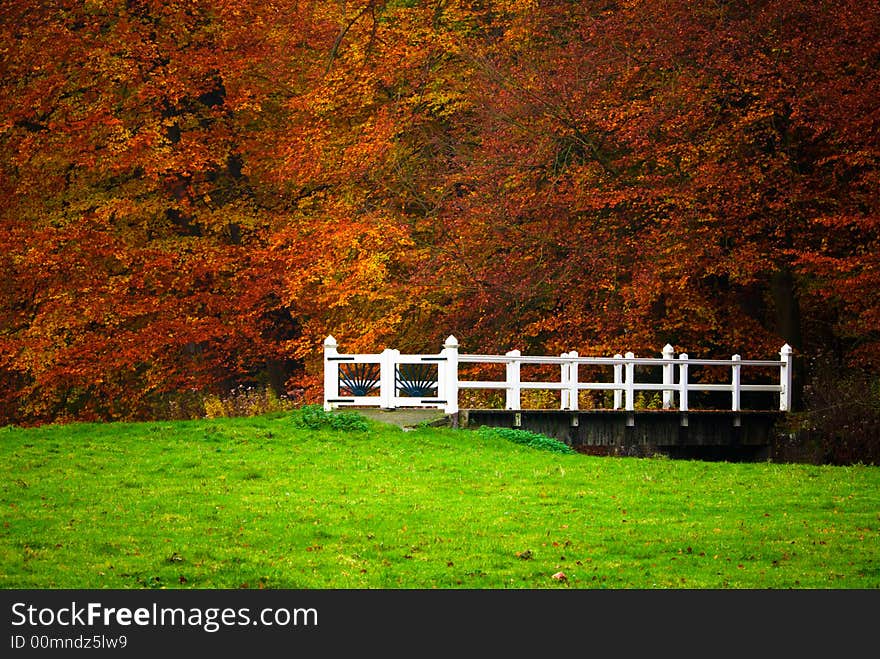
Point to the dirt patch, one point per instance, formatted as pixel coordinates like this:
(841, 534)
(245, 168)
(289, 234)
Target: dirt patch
(405, 418)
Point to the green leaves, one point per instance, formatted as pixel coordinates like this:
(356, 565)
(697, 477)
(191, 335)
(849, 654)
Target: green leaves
(527, 438)
(315, 417)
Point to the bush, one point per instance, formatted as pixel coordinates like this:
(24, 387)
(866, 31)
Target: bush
(840, 422)
(527, 438)
(245, 401)
(315, 417)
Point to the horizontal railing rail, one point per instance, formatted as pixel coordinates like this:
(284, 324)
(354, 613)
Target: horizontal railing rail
(390, 379)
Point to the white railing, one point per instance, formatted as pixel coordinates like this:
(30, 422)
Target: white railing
(390, 379)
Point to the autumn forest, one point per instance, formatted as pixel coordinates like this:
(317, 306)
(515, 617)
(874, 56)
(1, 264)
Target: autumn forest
(195, 193)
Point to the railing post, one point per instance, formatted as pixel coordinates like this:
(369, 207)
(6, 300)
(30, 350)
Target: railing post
(785, 377)
(331, 372)
(618, 380)
(450, 375)
(512, 396)
(388, 378)
(735, 383)
(573, 381)
(563, 380)
(668, 376)
(683, 382)
(630, 403)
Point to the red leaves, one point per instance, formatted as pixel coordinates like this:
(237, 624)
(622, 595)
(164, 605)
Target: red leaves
(194, 191)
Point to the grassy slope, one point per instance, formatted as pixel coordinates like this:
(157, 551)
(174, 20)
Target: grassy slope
(262, 502)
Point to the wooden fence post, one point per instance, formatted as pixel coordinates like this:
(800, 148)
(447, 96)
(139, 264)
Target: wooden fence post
(573, 381)
(785, 377)
(450, 375)
(387, 378)
(618, 380)
(512, 394)
(683, 382)
(564, 382)
(735, 381)
(331, 372)
(630, 402)
(668, 376)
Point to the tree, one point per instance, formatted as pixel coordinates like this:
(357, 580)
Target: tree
(194, 194)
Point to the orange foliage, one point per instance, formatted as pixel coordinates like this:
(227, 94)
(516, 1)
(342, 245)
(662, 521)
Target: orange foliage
(194, 194)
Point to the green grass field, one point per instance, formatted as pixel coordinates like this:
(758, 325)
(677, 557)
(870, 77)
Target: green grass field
(273, 502)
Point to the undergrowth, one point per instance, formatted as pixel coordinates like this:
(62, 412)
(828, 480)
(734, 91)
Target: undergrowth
(315, 417)
(527, 438)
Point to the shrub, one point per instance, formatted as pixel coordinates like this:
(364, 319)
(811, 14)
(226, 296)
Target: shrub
(840, 420)
(245, 401)
(527, 438)
(315, 417)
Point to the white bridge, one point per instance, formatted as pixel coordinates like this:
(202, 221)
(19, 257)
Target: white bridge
(390, 379)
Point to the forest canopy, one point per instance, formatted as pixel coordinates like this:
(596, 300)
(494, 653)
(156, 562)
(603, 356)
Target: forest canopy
(194, 194)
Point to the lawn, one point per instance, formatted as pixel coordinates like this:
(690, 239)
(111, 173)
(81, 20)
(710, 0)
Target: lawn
(288, 501)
